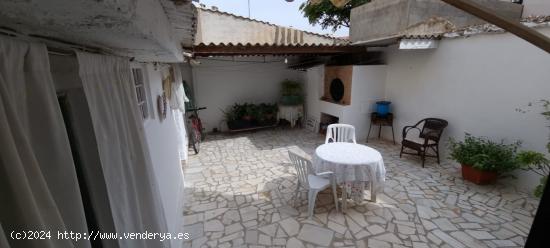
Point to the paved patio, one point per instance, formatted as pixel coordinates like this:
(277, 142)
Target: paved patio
(238, 193)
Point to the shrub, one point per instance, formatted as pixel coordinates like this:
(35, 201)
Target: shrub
(536, 161)
(484, 154)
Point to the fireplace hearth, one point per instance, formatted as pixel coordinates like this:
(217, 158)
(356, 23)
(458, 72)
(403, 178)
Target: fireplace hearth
(326, 120)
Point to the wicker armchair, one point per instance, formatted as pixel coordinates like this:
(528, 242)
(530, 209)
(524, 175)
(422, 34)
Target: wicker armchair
(429, 134)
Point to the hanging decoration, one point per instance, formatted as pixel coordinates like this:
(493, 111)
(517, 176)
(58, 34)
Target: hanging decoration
(167, 82)
(162, 106)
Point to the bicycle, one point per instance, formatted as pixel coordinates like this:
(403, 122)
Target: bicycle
(195, 129)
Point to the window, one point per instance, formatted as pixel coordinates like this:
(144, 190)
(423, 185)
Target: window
(141, 92)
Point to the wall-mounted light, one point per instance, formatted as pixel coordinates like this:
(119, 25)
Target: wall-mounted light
(415, 44)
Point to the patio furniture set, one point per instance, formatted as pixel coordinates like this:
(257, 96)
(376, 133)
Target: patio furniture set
(342, 162)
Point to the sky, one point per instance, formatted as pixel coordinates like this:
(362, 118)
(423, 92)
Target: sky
(279, 12)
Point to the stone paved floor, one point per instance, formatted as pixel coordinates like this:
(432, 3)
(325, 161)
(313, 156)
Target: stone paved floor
(238, 193)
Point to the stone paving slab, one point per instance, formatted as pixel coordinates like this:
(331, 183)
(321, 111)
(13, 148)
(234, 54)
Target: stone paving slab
(239, 193)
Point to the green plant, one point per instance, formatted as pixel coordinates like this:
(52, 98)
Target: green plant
(229, 115)
(250, 110)
(484, 154)
(536, 161)
(291, 88)
(235, 112)
(291, 93)
(325, 13)
(267, 112)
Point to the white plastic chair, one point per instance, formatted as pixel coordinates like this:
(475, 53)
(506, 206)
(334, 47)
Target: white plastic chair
(314, 183)
(340, 133)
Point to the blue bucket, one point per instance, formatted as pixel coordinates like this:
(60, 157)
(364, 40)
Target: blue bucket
(382, 108)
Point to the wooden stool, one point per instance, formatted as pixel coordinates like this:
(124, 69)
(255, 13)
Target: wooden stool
(386, 120)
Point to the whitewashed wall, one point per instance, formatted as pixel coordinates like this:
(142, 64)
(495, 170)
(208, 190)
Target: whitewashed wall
(536, 7)
(219, 84)
(476, 84)
(368, 86)
(163, 145)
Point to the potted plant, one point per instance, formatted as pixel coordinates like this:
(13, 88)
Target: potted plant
(238, 116)
(232, 117)
(267, 113)
(250, 112)
(482, 160)
(291, 93)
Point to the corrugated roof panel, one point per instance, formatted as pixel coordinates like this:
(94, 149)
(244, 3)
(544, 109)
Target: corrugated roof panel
(222, 28)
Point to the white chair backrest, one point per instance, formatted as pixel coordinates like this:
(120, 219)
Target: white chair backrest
(302, 166)
(311, 124)
(340, 133)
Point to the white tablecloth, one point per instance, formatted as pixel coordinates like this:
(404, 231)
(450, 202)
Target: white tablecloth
(352, 164)
(291, 113)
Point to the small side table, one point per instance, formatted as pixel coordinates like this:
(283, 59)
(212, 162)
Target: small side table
(386, 120)
(291, 113)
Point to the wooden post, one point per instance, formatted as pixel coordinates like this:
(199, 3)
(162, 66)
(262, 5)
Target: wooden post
(530, 35)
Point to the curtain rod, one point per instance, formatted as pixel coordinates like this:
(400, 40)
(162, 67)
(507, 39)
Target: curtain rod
(55, 45)
(61, 47)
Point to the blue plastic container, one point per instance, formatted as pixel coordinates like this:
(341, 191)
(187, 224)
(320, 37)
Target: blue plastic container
(382, 108)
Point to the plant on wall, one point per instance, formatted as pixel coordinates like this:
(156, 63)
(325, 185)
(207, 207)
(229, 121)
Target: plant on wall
(536, 161)
(291, 93)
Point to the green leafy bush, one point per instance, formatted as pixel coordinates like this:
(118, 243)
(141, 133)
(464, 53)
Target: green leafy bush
(256, 112)
(484, 154)
(536, 161)
(291, 93)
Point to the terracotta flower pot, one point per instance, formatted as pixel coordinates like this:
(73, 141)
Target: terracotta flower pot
(478, 176)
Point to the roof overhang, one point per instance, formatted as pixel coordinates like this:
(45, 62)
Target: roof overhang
(145, 29)
(204, 50)
(379, 42)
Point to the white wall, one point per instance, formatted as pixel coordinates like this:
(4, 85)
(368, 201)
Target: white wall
(536, 7)
(220, 84)
(367, 88)
(163, 146)
(476, 84)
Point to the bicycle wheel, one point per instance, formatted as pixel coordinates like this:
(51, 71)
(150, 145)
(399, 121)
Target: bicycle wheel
(201, 129)
(196, 141)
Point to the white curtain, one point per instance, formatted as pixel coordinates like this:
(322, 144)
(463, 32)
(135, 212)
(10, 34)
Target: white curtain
(177, 104)
(38, 185)
(131, 185)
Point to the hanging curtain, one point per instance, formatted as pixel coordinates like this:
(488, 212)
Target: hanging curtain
(131, 185)
(38, 185)
(177, 104)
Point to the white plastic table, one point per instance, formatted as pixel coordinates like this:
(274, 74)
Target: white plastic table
(351, 163)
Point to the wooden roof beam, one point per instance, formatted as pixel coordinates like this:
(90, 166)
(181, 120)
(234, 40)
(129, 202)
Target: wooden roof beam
(228, 50)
